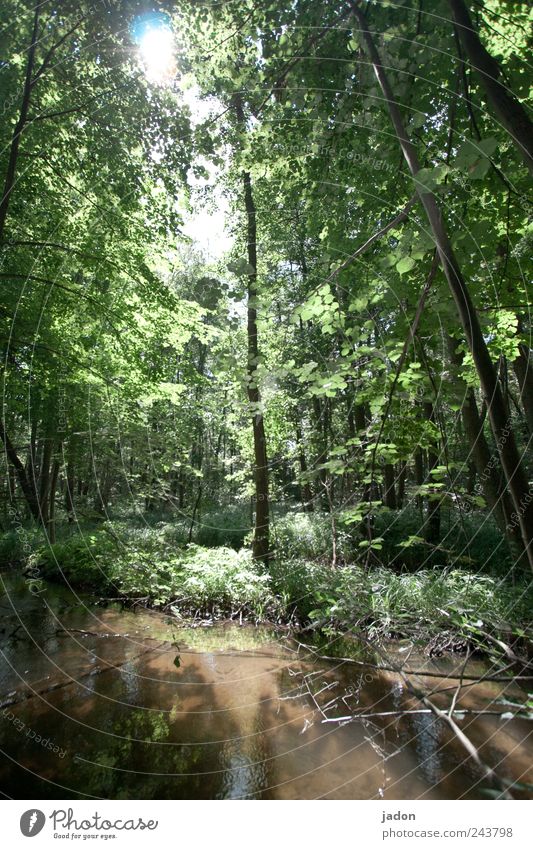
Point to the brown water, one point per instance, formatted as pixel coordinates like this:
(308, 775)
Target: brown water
(93, 703)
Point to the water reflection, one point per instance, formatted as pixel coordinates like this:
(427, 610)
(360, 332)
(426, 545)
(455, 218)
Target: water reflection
(241, 717)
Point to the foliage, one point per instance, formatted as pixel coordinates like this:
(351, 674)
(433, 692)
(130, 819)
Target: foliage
(148, 564)
(305, 535)
(155, 566)
(380, 603)
(130, 379)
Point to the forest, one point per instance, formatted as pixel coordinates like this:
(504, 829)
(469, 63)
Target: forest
(265, 274)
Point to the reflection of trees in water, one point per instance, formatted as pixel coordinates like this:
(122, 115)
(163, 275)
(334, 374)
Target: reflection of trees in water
(123, 768)
(421, 731)
(425, 729)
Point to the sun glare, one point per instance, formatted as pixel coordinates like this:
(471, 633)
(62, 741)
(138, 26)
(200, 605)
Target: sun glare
(155, 39)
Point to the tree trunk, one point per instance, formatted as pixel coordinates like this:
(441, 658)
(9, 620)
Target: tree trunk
(103, 489)
(181, 491)
(52, 507)
(9, 180)
(11, 483)
(70, 487)
(321, 445)
(510, 458)
(305, 489)
(261, 543)
(26, 484)
(193, 517)
(496, 495)
(471, 478)
(389, 491)
(508, 109)
(419, 472)
(44, 480)
(401, 484)
(432, 523)
(31, 463)
(523, 369)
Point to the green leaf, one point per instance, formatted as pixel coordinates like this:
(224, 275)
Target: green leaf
(406, 264)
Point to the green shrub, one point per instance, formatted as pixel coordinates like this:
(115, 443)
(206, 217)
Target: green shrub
(417, 605)
(222, 579)
(154, 563)
(227, 527)
(308, 536)
(221, 582)
(17, 544)
(81, 560)
(296, 583)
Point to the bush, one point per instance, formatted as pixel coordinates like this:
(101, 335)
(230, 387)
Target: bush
(82, 560)
(296, 582)
(156, 565)
(16, 545)
(228, 527)
(308, 536)
(144, 563)
(224, 580)
(219, 582)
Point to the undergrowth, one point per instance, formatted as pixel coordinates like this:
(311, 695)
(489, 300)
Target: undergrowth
(153, 564)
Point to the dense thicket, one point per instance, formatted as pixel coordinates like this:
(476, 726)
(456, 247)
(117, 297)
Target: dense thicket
(362, 353)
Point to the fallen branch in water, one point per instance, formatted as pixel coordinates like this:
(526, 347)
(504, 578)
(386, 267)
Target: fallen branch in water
(423, 673)
(461, 737)
(407, 712)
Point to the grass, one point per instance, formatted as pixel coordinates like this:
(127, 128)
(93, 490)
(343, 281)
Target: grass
(386, 604)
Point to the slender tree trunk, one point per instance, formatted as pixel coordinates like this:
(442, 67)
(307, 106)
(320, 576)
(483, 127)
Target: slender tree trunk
(26, 484)
(361, 422)
(70, 484)
(419, 473)
(322, 445)
(432, 524)
(9, 180)
(103, 489)
(523, 369)
(471, 479)
(389, 491)
(261, 543)
(305, 489)
(401, 484)
(510, 458)
(181, 491)
(32, 451)
(11, 483)
(493, 486)
(52, 506)
(508, 109)
(44, 480)
(195, 509)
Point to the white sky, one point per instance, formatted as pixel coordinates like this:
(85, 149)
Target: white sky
(206, 226)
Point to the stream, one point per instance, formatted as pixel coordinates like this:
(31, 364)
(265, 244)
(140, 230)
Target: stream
(99, 702)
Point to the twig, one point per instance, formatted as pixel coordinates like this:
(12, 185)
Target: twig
(466, 711)
(421, 672)
(460, 685)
